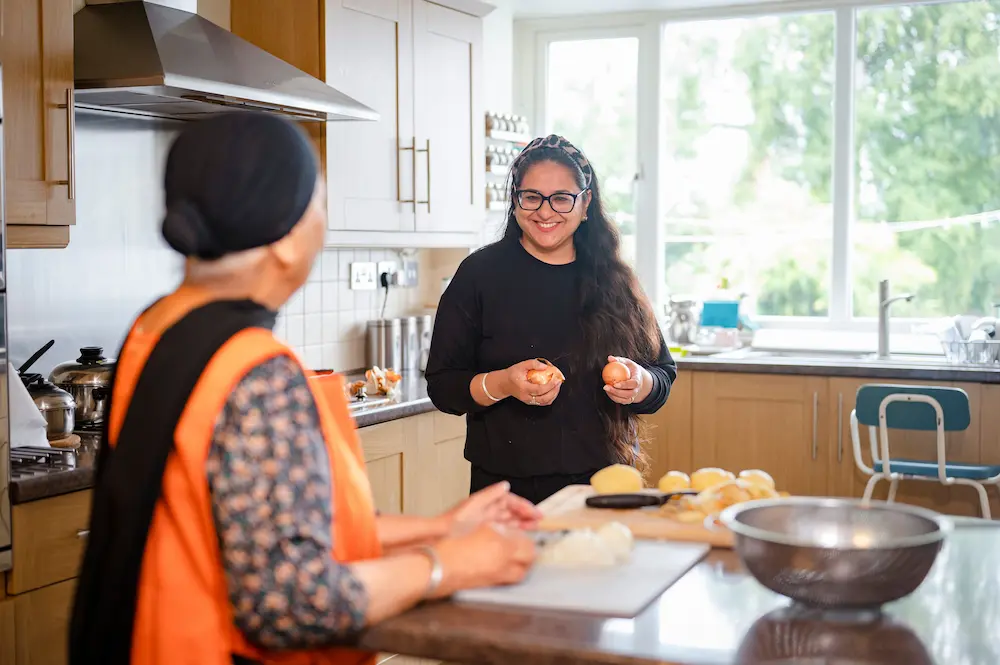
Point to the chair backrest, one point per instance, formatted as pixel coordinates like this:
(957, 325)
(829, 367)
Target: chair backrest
(913, 415)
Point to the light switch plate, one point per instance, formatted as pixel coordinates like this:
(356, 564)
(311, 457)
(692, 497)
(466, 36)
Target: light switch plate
(363, 277)
(408, 275)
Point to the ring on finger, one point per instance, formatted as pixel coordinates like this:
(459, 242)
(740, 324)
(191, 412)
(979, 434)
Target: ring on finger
(533, 402)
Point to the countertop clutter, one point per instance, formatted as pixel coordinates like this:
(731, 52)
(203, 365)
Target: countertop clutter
(717, 614)
(78, 474)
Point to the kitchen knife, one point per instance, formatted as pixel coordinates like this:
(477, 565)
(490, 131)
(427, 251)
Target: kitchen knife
(632, 501)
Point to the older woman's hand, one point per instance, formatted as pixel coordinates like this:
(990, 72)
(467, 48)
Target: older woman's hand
(635, 389)
(493, 505)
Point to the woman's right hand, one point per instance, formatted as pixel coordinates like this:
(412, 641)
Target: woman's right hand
(487, 555)
(516, 384)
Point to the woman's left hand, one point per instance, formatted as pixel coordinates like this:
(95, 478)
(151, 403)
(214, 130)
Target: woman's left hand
(494, 505)
(635, 389)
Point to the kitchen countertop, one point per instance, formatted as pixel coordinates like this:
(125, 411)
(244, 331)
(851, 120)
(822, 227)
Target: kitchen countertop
(411, 400)
(845, 367)
(717, 614)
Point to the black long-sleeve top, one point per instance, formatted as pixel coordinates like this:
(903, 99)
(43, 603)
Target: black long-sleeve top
(504, 306)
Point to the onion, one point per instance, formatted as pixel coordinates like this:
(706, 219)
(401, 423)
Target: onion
(615, 372)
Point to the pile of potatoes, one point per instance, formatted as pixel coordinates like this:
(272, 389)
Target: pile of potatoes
(717, 489)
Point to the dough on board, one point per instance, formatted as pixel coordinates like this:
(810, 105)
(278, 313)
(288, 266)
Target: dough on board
(611, 544)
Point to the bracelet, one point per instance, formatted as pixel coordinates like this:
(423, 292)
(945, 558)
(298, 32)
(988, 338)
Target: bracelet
(486, 390)
(437, 570)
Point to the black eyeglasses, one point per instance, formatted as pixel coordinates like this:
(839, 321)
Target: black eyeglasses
(561, 202)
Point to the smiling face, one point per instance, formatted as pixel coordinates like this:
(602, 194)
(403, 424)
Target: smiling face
(547, 234)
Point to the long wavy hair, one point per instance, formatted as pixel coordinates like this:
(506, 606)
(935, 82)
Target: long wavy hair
(615, 315)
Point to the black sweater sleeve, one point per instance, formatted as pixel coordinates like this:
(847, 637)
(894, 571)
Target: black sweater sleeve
(663, 371)
(453, 362)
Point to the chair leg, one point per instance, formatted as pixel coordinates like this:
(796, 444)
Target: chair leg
(893, 486)
(870, 487)
(984, 501)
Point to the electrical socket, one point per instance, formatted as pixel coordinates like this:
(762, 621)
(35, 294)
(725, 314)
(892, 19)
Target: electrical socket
(386, 267)
(363, 277)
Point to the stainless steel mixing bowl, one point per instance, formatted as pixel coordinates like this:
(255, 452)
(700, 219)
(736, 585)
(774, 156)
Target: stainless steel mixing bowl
(837, 553)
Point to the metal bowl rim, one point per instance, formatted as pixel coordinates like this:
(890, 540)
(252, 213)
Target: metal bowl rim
(729, 518)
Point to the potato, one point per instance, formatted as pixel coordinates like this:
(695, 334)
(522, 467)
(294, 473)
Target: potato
(674, 481)
(616, 479)
(702, 479)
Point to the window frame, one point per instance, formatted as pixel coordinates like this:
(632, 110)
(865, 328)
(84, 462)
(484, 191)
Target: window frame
(532, 40)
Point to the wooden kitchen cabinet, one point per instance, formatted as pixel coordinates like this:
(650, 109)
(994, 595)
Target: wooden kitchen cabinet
(417, 465)
(413, 178)
(7, 653)
(667, 433)
(36, 48)
(41, 623)
(773, 422)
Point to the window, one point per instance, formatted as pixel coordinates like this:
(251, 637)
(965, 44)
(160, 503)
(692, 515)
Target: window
(927, 146)
(799, 173)
(747, 113)
(591, 100)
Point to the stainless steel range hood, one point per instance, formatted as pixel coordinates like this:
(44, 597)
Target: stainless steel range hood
(141, 58)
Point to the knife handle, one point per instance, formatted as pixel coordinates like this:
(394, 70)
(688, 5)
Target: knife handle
(630, 501)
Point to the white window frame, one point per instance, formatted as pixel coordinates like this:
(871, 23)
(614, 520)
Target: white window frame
(532, 40)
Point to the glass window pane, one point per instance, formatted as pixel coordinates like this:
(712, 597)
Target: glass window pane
(591, 100)
(927, 141)
(745, 176)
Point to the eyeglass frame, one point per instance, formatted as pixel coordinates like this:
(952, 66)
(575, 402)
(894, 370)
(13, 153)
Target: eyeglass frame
(548, 199)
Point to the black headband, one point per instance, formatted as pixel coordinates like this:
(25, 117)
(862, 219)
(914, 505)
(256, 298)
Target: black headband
(558, 143)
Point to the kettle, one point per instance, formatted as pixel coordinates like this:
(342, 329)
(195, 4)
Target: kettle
(682, 320)
(57, 406)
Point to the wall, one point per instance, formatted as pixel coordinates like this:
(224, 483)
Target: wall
(116, 263)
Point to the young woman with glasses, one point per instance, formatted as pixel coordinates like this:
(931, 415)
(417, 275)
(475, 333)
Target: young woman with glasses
(554, 287)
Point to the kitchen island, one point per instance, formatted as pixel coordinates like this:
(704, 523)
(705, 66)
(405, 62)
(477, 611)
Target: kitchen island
(717, 614)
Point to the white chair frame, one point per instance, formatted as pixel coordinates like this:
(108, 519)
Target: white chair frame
(879, 438)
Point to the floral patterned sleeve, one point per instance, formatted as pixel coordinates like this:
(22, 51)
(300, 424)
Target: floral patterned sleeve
(268, 473)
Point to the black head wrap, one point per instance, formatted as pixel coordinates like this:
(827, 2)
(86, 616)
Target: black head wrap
(236, 181)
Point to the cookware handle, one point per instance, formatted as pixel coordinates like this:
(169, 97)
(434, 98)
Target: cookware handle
(35, 356)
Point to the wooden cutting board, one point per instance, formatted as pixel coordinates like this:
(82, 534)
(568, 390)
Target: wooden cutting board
(621, 591)
(567, 509)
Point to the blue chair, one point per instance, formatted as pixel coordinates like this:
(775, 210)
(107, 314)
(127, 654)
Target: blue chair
(923, 408)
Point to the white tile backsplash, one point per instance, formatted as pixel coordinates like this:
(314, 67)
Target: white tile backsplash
(117, 263)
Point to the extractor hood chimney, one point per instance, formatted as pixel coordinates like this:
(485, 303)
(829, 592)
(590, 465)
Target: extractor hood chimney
(145, 59)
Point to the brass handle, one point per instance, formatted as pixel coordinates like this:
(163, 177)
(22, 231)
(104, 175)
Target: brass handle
(70, 181)
(815, 423)
(427, 149)
(840, 427)
(399, 176)
(83, 534)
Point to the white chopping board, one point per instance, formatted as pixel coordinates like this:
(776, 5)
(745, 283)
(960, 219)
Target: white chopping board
(621, 591)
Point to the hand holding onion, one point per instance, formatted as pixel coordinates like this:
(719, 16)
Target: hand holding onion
(625, 382)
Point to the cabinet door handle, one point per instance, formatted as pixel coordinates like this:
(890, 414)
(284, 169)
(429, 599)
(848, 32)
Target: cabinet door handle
(426, 149)
(399, 168)
(70, 180)
(815, 425)
(840, 427)
(83, 535)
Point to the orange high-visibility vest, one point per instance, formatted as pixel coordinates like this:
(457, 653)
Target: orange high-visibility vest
(183, 613)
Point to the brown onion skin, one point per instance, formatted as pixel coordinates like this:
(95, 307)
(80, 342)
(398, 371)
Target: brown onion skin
(615, 372)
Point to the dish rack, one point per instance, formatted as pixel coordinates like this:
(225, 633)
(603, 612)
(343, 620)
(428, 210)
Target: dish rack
(972, 353)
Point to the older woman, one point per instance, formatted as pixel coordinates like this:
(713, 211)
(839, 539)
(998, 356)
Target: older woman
(232, 518)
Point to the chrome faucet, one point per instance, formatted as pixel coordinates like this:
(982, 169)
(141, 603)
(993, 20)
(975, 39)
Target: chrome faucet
(884, 302)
